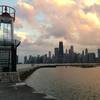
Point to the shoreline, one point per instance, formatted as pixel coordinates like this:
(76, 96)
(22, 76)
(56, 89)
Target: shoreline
(19, 91)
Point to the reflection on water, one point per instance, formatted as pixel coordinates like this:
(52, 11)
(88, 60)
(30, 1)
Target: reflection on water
(68, 83)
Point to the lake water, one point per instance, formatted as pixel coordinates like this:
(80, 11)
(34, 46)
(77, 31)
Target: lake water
(67, 83)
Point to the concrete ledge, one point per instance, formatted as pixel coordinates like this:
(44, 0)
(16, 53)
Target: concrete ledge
(9, 77)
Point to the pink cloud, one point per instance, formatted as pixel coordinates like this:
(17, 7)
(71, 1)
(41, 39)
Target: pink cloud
(75, 23)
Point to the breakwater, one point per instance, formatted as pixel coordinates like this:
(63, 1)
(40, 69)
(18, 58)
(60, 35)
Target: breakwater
(25, 72)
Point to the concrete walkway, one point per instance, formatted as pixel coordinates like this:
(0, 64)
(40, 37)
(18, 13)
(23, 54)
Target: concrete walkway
(10, 91)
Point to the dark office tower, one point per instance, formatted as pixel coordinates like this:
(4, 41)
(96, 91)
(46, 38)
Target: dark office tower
(61, 50)
(49, 54)
(71, 55)
(30, 59)
(45, 58)
(86, 51)
(66, 51)
(86, 56)
(25, 59)
(71, 50)
(82, 56)
(91, 57)
(99, 53)
(56, 52)
(83, 53)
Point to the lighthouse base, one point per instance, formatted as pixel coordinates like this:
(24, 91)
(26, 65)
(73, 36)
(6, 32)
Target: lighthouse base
(9, 77)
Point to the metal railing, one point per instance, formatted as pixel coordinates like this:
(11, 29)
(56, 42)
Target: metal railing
(7, 9)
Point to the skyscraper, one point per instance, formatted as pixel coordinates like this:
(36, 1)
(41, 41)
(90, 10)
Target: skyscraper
(61, 50)
(49, 54)
(71, 55)
(71, 50)
(56, 52)
(86, 51)
(66, 51)
(86, 55)
(82, 52)
(99, 53)
(25, 59)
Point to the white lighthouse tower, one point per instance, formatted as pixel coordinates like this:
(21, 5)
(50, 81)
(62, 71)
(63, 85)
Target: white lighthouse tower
(8, 45)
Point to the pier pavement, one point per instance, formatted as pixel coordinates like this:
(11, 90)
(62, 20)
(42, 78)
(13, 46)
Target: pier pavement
(9, 91)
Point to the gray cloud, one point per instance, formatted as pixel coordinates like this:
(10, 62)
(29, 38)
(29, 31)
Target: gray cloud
(77, 24)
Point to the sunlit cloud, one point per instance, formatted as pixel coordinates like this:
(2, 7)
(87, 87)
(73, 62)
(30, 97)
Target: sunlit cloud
(63, 2)
(25, 11)
(25, 5)
(88, 2)
(23, 37)
(42, 23)
(18, 23)
(97, 2)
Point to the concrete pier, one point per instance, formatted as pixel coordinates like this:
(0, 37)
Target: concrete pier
(9, 77)
(26, 70)
(11, 87)
(9, 91)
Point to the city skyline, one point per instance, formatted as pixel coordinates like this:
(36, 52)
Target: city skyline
(75, 22)
(60, 37)
(64, 56)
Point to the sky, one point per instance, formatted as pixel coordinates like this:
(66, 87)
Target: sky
(41, 24)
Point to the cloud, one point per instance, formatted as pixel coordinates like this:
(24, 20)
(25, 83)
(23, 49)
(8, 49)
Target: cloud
(18, 23)
(63, 2)
(72, 21)
(25, 10)
(22, 36)
(97, 2)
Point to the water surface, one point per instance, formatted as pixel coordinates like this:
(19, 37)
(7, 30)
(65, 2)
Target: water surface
(67, 83)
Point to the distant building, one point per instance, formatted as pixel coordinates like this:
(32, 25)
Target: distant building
(71, 55)
(25, 60)
(30, 58)
(56, 51)
(71, 50)
(83, 58)
(86, 58)
(66, 51)
(99, 53)
(61, 49)
(45, 58)
(56, 55)
(91, 57)
(49, 59)
(86, 51)
(60, 56)
(83, 53)
(49, 54)
(61, 52)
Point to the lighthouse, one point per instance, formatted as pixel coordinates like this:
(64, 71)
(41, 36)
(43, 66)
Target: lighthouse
(8, 44)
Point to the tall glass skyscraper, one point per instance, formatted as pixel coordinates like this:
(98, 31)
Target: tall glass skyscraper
(61, 49)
